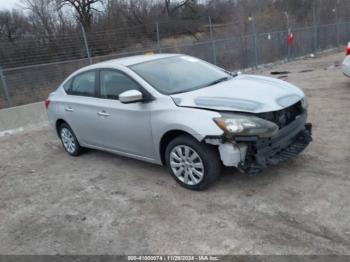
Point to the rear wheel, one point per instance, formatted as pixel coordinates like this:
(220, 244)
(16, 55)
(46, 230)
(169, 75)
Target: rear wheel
(193, 165)
(69, 140)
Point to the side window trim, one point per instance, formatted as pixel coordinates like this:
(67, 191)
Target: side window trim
(96, 84)
(141, 88)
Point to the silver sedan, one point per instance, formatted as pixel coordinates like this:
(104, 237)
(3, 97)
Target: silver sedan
(182, 112)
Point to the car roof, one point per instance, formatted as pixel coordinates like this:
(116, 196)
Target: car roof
(130, 60)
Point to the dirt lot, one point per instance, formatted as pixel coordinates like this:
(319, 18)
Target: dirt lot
(100, 203)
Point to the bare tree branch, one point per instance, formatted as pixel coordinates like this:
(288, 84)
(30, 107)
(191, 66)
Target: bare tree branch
(84, 10)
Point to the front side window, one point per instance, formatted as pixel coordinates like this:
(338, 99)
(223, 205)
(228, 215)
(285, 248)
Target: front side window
(179, 74)
(113, 83)
(83, 84)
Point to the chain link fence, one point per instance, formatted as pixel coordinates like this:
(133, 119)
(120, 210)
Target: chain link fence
(44, 63)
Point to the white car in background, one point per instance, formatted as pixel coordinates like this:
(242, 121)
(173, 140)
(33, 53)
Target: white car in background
(346, 62)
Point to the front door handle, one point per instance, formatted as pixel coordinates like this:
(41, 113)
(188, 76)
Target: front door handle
(69, 109)
(103, 113)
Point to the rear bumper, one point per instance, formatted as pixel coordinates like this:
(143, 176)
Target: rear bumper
(287, 144)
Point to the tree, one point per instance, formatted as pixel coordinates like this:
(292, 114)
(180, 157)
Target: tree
(138, 12)
(170, 7)
(83, 8)
(45, 19)
(12, 25)
(113, 15)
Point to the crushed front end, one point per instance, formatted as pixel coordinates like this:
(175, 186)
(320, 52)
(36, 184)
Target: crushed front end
(289, 142)
(253, 153)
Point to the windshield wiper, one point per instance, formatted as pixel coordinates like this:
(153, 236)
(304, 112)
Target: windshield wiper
(223, 79)
(232, 73)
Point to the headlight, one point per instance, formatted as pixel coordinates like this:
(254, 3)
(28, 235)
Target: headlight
(242, 125)
(304, 103)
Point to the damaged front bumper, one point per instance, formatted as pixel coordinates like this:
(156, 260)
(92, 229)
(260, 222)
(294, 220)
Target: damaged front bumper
(253, 154)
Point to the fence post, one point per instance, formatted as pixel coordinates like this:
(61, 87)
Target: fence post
(4, 86)
(212, 40)
(86, 43)
(255, 41)
(158, 38)
(335, 10)
(289, 31)
(315, 28)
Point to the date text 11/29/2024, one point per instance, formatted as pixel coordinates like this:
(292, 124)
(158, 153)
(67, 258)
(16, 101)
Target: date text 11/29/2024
(173, 258)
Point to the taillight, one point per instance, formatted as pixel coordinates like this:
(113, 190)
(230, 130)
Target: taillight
(47, 103)
(348, 50)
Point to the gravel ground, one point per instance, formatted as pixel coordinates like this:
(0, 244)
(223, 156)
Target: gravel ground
(100, 203)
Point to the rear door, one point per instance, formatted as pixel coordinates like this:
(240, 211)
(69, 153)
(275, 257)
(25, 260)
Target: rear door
(81, 106)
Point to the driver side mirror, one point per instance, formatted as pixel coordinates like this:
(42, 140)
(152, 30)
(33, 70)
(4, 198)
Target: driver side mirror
(131, 96)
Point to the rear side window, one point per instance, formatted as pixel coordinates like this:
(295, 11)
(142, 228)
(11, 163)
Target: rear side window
(83, 84)
(67, 85)
(113, 83)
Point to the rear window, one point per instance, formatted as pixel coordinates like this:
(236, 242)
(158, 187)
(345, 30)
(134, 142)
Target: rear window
(83, 84)
(67, 85)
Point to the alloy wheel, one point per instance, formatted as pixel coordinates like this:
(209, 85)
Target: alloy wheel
(187, 165)
(68, 140)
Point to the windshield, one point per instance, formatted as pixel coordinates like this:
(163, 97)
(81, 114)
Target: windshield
(180, 74)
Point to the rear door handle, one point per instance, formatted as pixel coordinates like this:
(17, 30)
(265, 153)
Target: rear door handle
(69, 109)
(103, 113)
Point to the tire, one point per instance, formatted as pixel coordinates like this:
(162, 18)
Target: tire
(69, 140)
(192, 164)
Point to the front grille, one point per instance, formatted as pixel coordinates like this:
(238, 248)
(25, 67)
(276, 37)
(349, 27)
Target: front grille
(285, 116)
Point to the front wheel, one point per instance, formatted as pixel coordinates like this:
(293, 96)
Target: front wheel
(193, 165)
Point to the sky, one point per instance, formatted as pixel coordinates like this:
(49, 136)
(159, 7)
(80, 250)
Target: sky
(9, 4)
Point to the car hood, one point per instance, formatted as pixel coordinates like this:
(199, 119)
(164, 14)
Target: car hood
(244, 93)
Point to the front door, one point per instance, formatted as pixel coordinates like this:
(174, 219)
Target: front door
(123, 127)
